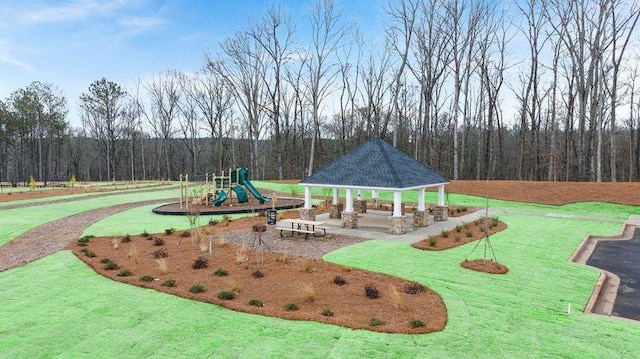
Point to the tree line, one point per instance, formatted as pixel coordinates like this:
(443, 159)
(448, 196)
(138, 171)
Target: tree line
(285, 102)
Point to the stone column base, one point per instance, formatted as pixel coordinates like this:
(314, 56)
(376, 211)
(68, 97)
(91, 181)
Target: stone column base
(397, 224)
(349, 220)
(335, 210)
(420, 218)
(308, 214)
(360, 206)
(440, 213)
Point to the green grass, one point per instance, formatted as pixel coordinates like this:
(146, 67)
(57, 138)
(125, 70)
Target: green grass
(521, 314)
(139, 219)
(58, 307)
(14, 222)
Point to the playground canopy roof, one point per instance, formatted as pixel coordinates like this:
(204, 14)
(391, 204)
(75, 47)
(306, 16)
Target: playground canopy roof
(375, 165)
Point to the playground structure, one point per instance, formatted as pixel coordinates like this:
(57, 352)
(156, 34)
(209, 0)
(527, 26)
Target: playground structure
(226, 189)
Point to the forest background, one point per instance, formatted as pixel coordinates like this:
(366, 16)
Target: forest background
(285, 95)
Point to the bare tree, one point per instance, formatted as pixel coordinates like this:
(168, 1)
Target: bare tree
(274, 34)
(328, 33)
(165, 92)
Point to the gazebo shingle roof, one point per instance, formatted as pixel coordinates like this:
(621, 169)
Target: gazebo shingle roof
(376, 164)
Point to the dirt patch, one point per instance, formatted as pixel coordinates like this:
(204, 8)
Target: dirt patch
(485, 265)
(460, 235)
(266, 283)
(555, 193)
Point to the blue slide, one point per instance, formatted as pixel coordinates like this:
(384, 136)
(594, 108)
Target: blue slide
(244, 180)
(222, 196)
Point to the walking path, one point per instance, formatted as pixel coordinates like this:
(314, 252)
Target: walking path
(55, 235)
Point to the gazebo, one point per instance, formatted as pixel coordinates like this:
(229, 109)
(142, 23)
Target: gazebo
(376, 166)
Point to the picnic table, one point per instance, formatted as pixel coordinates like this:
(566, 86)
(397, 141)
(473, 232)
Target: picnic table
(303, 226)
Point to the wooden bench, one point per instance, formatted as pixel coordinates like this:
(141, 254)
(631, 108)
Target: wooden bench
(294, 230)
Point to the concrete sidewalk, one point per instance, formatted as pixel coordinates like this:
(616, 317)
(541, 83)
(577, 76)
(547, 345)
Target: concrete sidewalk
(374, 225)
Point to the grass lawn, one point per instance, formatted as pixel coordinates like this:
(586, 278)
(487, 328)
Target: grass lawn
(14, 222)
(57, 307)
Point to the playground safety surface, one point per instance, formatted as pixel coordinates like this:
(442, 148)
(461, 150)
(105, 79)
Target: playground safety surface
(279, 204)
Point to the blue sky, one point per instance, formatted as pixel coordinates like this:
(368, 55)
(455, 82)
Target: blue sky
(73, 43)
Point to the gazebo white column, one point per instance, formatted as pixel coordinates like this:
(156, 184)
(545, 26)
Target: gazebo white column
(397, 221)
(441, 195)
(374, 197)
(441, 211)
(335, 208)
(308, 212)
(397, 203)
(420, 216)
(349, 217)
(360, 204)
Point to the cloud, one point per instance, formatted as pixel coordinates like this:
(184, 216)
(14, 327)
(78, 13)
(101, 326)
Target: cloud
(142, 23)
(7, 58)
(74, 10)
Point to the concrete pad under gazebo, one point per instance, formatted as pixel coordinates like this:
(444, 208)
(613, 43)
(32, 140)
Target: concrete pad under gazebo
(376, 166)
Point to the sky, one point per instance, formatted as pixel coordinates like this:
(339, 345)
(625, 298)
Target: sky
(73, 43)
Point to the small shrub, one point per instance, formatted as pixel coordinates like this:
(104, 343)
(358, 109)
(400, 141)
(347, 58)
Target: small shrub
(413, 288)
(494, 222)
(168, 231)
(309, 293)
(416, 323)
(444, 233)
(225, 220)
(111, 266)
(161, 253)
(83, 241)
(465, 225)
(464, 209)
(371, 291)
(146, 278)
(256, 302)
(469, 233)
(459, 228)
(105, 260)
(457, 238)
(185, 234)
(478, 221)
(169, 283)
(212, 222)
(220, 272)
(284, 257)
(200, 263)
(339, 280)
(396, 298)
(433, 240)
(89, 253)
(162, 265)
(158, 241)
(373, 321)
(221, 242)
(257, 274)
(226, 295)
(327, 312)
(133, 253)
(308, 266)
(126, 239)
(196, 288)
(145, 234)
(124, 273)
(291, 306)
(483, 228)
(458, 210)
(115, 243)
(241, 254)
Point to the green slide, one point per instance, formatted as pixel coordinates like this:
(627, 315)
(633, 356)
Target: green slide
(222, 196)
(244, 180)
(240, 193)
